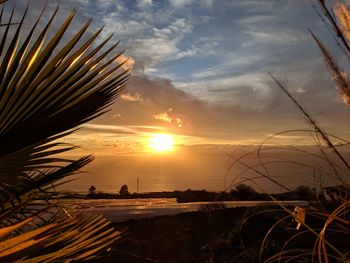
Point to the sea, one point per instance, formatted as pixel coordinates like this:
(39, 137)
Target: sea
(210, 168)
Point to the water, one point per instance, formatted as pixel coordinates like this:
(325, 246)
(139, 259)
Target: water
(197, 169)
(123, 209)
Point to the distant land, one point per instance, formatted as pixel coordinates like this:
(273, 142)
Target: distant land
(241, 193)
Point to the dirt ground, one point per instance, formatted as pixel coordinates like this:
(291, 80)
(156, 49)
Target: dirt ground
(179, 238)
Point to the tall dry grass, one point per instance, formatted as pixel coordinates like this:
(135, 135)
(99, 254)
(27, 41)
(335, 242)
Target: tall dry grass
(324, 235)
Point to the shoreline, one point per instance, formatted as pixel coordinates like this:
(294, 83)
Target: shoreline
(122, 210)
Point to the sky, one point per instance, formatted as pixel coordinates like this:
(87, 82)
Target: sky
(200, 73)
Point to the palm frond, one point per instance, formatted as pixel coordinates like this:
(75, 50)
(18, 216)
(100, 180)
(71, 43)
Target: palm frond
(43, 96)
(48, 88)
(77, 237)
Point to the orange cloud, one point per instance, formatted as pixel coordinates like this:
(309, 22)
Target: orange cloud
(131, 97)
(129, 62)
(166, 117)
(179, 122)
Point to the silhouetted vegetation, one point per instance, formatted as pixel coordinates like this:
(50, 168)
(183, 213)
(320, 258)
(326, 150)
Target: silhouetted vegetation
(304, 193)
(92, 190)
(326, 229)
(241, 192)
(124, 191)
(229, 235)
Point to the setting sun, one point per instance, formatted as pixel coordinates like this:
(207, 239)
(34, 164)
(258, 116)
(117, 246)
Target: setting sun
(161, 142)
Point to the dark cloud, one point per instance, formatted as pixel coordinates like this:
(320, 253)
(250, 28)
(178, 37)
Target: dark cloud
(255, 116)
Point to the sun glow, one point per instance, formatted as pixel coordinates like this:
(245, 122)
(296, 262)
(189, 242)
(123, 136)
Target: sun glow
(161, 142)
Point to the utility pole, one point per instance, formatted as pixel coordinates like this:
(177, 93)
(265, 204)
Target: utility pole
(138, 181)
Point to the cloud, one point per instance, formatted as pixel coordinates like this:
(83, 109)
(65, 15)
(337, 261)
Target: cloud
(207, 3)
(199, 49)
(129, 62)
(154, 50)
(258, 37)
(108, 128)
(162, 44)
(144, 3)
(131, 97)
(180, 3)
(168, 118)
(163, 117)
(122, 130)
(215, 60)
(228, 65)
(103, 4)
(150, 36)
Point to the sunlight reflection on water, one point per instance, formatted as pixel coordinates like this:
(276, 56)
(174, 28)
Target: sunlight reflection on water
(124, 209)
